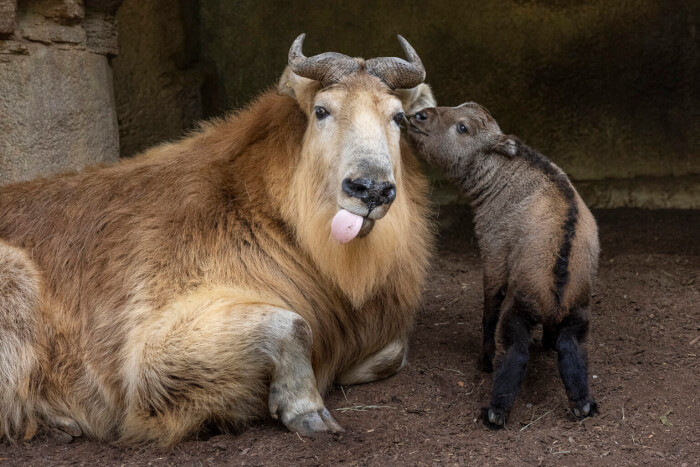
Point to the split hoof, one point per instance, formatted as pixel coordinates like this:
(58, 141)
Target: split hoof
(58, 436)
(68, 426)
(62, 430)
(584, 408)
(313, 423)
(493, 419)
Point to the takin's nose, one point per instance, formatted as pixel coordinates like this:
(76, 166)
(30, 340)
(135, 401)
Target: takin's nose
(371, 192)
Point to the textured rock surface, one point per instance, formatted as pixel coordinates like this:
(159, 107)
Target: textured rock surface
(157, 73)
(649, 192)
(37, 28)
(57, 110)
(608, 90)
(62, 11)
(101, 33)
(8, 9)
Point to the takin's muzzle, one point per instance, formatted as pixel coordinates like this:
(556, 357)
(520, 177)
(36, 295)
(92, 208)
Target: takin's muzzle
(371, 192)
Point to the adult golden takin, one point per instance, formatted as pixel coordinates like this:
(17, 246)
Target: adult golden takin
(238, 272)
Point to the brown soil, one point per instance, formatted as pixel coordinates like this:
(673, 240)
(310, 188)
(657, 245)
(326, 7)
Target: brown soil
(643, 365)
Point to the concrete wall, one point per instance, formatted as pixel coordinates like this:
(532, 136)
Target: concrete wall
(57, 108)
(607, 89)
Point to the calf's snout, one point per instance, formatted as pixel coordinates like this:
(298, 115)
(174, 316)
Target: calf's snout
(421, 116)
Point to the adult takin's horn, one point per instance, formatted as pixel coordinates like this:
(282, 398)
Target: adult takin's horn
(328, 68)
(396, 72)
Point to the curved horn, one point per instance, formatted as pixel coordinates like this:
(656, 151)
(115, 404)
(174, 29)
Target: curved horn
(328, 68)
(396, 72)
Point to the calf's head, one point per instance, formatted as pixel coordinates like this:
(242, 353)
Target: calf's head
(351, 150)
(454, 138)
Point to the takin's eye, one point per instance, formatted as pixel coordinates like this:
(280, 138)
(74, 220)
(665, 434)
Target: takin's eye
(321, 112)
(461, 128)
(399, 118)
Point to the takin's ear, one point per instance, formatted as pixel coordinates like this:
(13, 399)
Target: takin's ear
(415, 99)
(507, 146)
(295, 86)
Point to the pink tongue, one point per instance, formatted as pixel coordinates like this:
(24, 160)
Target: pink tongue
(345, 226)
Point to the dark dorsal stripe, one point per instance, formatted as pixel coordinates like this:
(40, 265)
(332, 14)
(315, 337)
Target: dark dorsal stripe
(561, 181)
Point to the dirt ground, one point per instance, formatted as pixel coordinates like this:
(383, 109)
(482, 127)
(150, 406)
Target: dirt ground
(643, 364)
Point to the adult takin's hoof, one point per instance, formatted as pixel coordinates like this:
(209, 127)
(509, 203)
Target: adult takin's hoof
(59, 436)
(584, 408)
(301, 410)
(312, 423)
(62, 430)
(67, 425)
(493, 419)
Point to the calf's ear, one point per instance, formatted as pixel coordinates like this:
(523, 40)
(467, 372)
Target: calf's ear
(507, 146)
(415, 99)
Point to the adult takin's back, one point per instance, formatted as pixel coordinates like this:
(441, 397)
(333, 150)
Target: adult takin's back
(538, 241)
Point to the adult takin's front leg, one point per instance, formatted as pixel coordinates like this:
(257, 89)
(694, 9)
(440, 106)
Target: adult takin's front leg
(216, 356)
(294, 398)
(381, 364)
(513, 335)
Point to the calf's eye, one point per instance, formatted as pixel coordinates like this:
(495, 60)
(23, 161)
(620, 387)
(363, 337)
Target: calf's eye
(321, 112)
(461, 128)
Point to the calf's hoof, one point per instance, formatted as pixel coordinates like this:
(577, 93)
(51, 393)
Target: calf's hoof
(486, 363)
(313, 423)
(493, 419)
(584, 408)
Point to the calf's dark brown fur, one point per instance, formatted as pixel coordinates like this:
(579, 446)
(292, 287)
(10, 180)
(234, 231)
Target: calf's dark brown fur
(538, 241)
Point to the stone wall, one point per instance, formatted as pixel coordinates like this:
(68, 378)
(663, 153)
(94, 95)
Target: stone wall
(158, 75)
(608, 90)
(57, 109)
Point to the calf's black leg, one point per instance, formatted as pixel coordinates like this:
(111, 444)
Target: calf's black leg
(573, 362)
(493, 298)
(513, 336)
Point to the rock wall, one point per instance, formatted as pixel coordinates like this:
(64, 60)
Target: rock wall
(157, 74)
(608, 90)
(57, 110)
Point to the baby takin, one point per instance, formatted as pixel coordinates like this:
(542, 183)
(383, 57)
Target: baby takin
(538, 242)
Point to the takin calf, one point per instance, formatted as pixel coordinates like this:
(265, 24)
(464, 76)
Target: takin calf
(538, 241)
